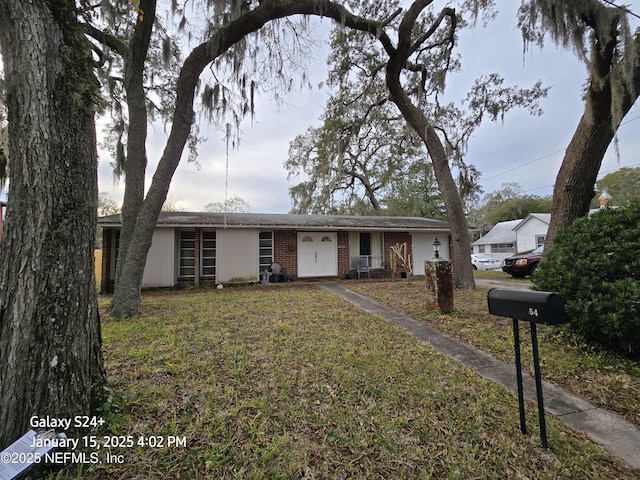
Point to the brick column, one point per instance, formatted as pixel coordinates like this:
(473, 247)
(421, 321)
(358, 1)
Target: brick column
(285, 250)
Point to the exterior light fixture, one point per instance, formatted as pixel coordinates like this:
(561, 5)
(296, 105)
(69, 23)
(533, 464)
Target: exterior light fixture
(436, 247)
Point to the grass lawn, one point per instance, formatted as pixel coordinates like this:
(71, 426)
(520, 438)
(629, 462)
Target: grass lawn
(499, 275)
(292, 382)
(604, 379)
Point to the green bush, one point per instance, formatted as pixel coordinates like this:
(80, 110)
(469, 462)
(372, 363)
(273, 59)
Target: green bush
(595, 265)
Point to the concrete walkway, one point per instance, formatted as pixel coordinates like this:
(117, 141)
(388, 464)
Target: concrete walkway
(613, 432)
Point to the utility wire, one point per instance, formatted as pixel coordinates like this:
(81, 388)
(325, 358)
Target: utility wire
(521, 157)
(620, 168)
(524, 164)
(537, 188)
(624, 9)
(545, 156)
(601, 173)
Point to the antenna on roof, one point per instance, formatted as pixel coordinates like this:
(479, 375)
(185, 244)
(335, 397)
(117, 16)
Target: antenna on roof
(226, 178)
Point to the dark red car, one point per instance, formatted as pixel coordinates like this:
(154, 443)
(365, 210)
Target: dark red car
(520, 266)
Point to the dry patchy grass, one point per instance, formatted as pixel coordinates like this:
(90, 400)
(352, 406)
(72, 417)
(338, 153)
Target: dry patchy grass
(292, 382)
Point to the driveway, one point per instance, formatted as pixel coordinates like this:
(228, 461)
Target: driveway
(503, 284)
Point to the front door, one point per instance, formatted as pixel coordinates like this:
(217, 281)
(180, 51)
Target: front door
(317, 254)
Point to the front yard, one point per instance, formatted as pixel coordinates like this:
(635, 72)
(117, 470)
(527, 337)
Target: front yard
(606, 380)
(293, 382)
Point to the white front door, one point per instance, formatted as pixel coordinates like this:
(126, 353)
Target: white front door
(317, 254)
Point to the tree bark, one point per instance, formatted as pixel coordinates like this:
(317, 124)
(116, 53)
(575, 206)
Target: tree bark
(460, 239)
(576, 178)
(135, 167)
(50, 344)
(573, 189)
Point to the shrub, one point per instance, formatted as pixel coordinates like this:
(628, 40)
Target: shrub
(595, 265)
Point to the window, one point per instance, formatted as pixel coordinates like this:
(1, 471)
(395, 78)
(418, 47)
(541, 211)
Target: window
(540, 240)
(187, 253)
(502, 248)
(208, 253)
(480, 248)
(367, 246)
(266, 250)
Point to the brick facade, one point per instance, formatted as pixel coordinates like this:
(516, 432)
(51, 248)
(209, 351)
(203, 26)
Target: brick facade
(392, 238)
(285, 250)
(344, 258)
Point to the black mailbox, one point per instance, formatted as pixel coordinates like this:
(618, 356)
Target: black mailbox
(537, 307)
(532, 307)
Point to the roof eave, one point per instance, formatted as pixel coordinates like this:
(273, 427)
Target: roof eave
(393, 228)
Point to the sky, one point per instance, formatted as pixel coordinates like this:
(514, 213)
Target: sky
(523, 149)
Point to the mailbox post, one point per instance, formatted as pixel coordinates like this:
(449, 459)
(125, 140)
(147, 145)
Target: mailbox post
(533, 307)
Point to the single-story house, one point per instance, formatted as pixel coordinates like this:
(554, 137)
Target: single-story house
(531, 232)
(508, 238)
(200, 248)
(500, 241)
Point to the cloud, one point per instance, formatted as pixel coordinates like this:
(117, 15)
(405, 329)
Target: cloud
(525, 149)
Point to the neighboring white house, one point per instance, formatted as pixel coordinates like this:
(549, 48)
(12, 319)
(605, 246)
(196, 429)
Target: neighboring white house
(532, 231)
(514, 236)
(500, 241)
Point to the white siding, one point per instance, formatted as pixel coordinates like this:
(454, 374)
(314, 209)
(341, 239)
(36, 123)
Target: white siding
(159, 271)
(422, 248)
(527, 231)
(237, 254)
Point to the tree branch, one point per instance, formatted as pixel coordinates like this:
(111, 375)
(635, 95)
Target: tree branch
(446, 12)
(107, 39)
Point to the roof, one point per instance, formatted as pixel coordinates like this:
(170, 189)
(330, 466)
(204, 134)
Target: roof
(286, 221)
(543, 217)
(502, 232)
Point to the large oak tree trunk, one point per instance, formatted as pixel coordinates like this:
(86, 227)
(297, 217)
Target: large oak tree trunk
(50, 345)
(460, 239)
(576, 178)
(573, 189)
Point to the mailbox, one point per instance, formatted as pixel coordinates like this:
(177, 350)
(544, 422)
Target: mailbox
(533, 307)
(537, 307)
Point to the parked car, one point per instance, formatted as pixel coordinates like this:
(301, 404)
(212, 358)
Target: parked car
(519, 266)
(482, 261)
